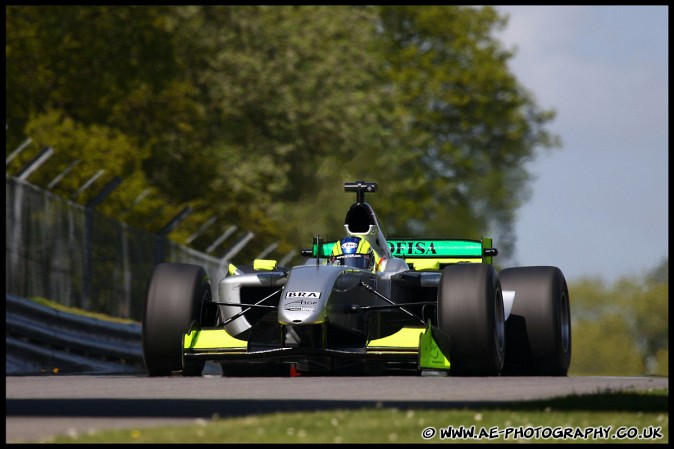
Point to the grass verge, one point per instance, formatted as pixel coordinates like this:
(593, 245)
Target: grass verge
(619, 417)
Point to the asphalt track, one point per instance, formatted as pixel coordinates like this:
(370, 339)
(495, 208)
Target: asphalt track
(40, 406)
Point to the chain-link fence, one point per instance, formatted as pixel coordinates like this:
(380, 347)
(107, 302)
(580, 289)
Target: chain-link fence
(66, 252)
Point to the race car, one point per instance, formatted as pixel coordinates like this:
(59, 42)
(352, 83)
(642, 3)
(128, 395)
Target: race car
(362, 305)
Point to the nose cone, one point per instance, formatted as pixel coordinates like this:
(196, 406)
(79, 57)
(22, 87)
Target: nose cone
(306, 293)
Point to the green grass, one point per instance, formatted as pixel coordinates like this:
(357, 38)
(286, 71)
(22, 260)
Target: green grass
(645, 413)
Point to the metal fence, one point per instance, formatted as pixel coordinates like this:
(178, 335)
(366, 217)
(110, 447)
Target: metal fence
(71, 254)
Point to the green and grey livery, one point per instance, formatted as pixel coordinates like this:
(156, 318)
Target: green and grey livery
(429, 305)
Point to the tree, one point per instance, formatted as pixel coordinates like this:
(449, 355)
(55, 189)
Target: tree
(105, 81)
(83, 60)
(259, 114)
(647, 312)
(604, 348)
(292, 91)
(621, 329)
(467, 127)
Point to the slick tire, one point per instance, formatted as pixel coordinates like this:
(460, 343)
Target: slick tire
(538, 330)
(178, 295)
(470, 311)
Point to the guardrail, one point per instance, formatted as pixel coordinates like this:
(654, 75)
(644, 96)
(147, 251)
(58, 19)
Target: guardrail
(40, 339)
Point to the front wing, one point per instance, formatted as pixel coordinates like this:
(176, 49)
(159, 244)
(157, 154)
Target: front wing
(416, 347)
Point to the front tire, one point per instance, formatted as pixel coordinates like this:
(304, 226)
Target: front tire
(177, 297)
(470, 311)
(538, 329)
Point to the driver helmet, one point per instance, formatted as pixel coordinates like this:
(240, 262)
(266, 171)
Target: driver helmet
(353, 252)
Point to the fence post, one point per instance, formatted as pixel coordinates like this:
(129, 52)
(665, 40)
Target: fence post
(17, 266)
(201, 229)
(221, 239)
(35, 163)
(18, 150)
(89, 210)
(267, 250)
(238, 246)
(165, 231)
(61, 175)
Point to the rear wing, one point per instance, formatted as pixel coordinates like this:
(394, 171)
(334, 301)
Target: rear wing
(436, 253)
(425, 254)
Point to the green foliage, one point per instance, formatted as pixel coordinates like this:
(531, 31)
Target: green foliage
(467, 129)
(80, 153)
(289, 88)
(621, 329)
(649, 322)
(99, 84)
(659, 274)
(605, 348)
(259, 114)
(84, 60)
(95, 146)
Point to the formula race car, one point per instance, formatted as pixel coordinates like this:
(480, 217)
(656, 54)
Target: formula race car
(362, 305)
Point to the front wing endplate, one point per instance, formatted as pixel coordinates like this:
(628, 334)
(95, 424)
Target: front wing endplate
(430, 354)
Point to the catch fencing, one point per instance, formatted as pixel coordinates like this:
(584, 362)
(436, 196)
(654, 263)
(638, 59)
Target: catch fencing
(70, 253)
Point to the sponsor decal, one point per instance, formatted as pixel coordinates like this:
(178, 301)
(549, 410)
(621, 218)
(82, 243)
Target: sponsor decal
(308, 295)
(301, 305)
(412, 247)
(435, 248)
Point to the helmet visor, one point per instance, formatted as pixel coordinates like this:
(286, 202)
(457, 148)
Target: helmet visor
(355, 260)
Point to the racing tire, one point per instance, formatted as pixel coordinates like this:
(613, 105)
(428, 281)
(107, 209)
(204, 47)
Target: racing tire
(538, 330)
(470, 312)
(178, 296)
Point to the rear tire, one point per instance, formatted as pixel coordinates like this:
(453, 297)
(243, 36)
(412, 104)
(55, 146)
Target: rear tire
(538, 329)
(177, 297)
(470, 311)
